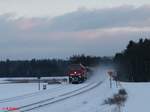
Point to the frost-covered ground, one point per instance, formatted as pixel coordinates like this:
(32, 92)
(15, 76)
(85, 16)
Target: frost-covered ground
(91, 101)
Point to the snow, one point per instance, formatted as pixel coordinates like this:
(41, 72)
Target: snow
(49, 93)
(86, 102)
(90, 101)
(139, 97)
(12, 90)
(3, 81)
(8, 89)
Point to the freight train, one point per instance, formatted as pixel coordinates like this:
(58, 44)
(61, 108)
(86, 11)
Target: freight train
(77, 73)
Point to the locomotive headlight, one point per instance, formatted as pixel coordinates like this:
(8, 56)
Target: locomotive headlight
(75, 72)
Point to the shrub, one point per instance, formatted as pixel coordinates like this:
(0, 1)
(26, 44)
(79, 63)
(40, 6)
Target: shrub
(118, 98)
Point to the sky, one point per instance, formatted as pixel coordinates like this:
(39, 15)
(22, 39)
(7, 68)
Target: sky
(61, 28)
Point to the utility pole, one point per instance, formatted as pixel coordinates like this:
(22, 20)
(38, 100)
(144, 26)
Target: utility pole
(39, 82)
(110, 78)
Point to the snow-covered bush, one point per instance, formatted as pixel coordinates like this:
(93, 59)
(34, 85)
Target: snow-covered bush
(122, 92)
(118, 99)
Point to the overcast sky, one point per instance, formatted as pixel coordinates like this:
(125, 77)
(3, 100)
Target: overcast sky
(60, 28)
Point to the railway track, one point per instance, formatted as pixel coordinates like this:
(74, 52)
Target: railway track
(27, 97)
(59, 98)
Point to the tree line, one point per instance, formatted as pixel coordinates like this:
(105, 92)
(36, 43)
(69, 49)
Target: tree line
(46, 67)
(133, 64)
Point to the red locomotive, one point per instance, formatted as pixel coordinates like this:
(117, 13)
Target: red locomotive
(77, 73)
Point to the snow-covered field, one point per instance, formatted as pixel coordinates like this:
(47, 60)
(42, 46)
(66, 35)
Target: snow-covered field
(138, 97)
(16, 89)
(89, 101)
